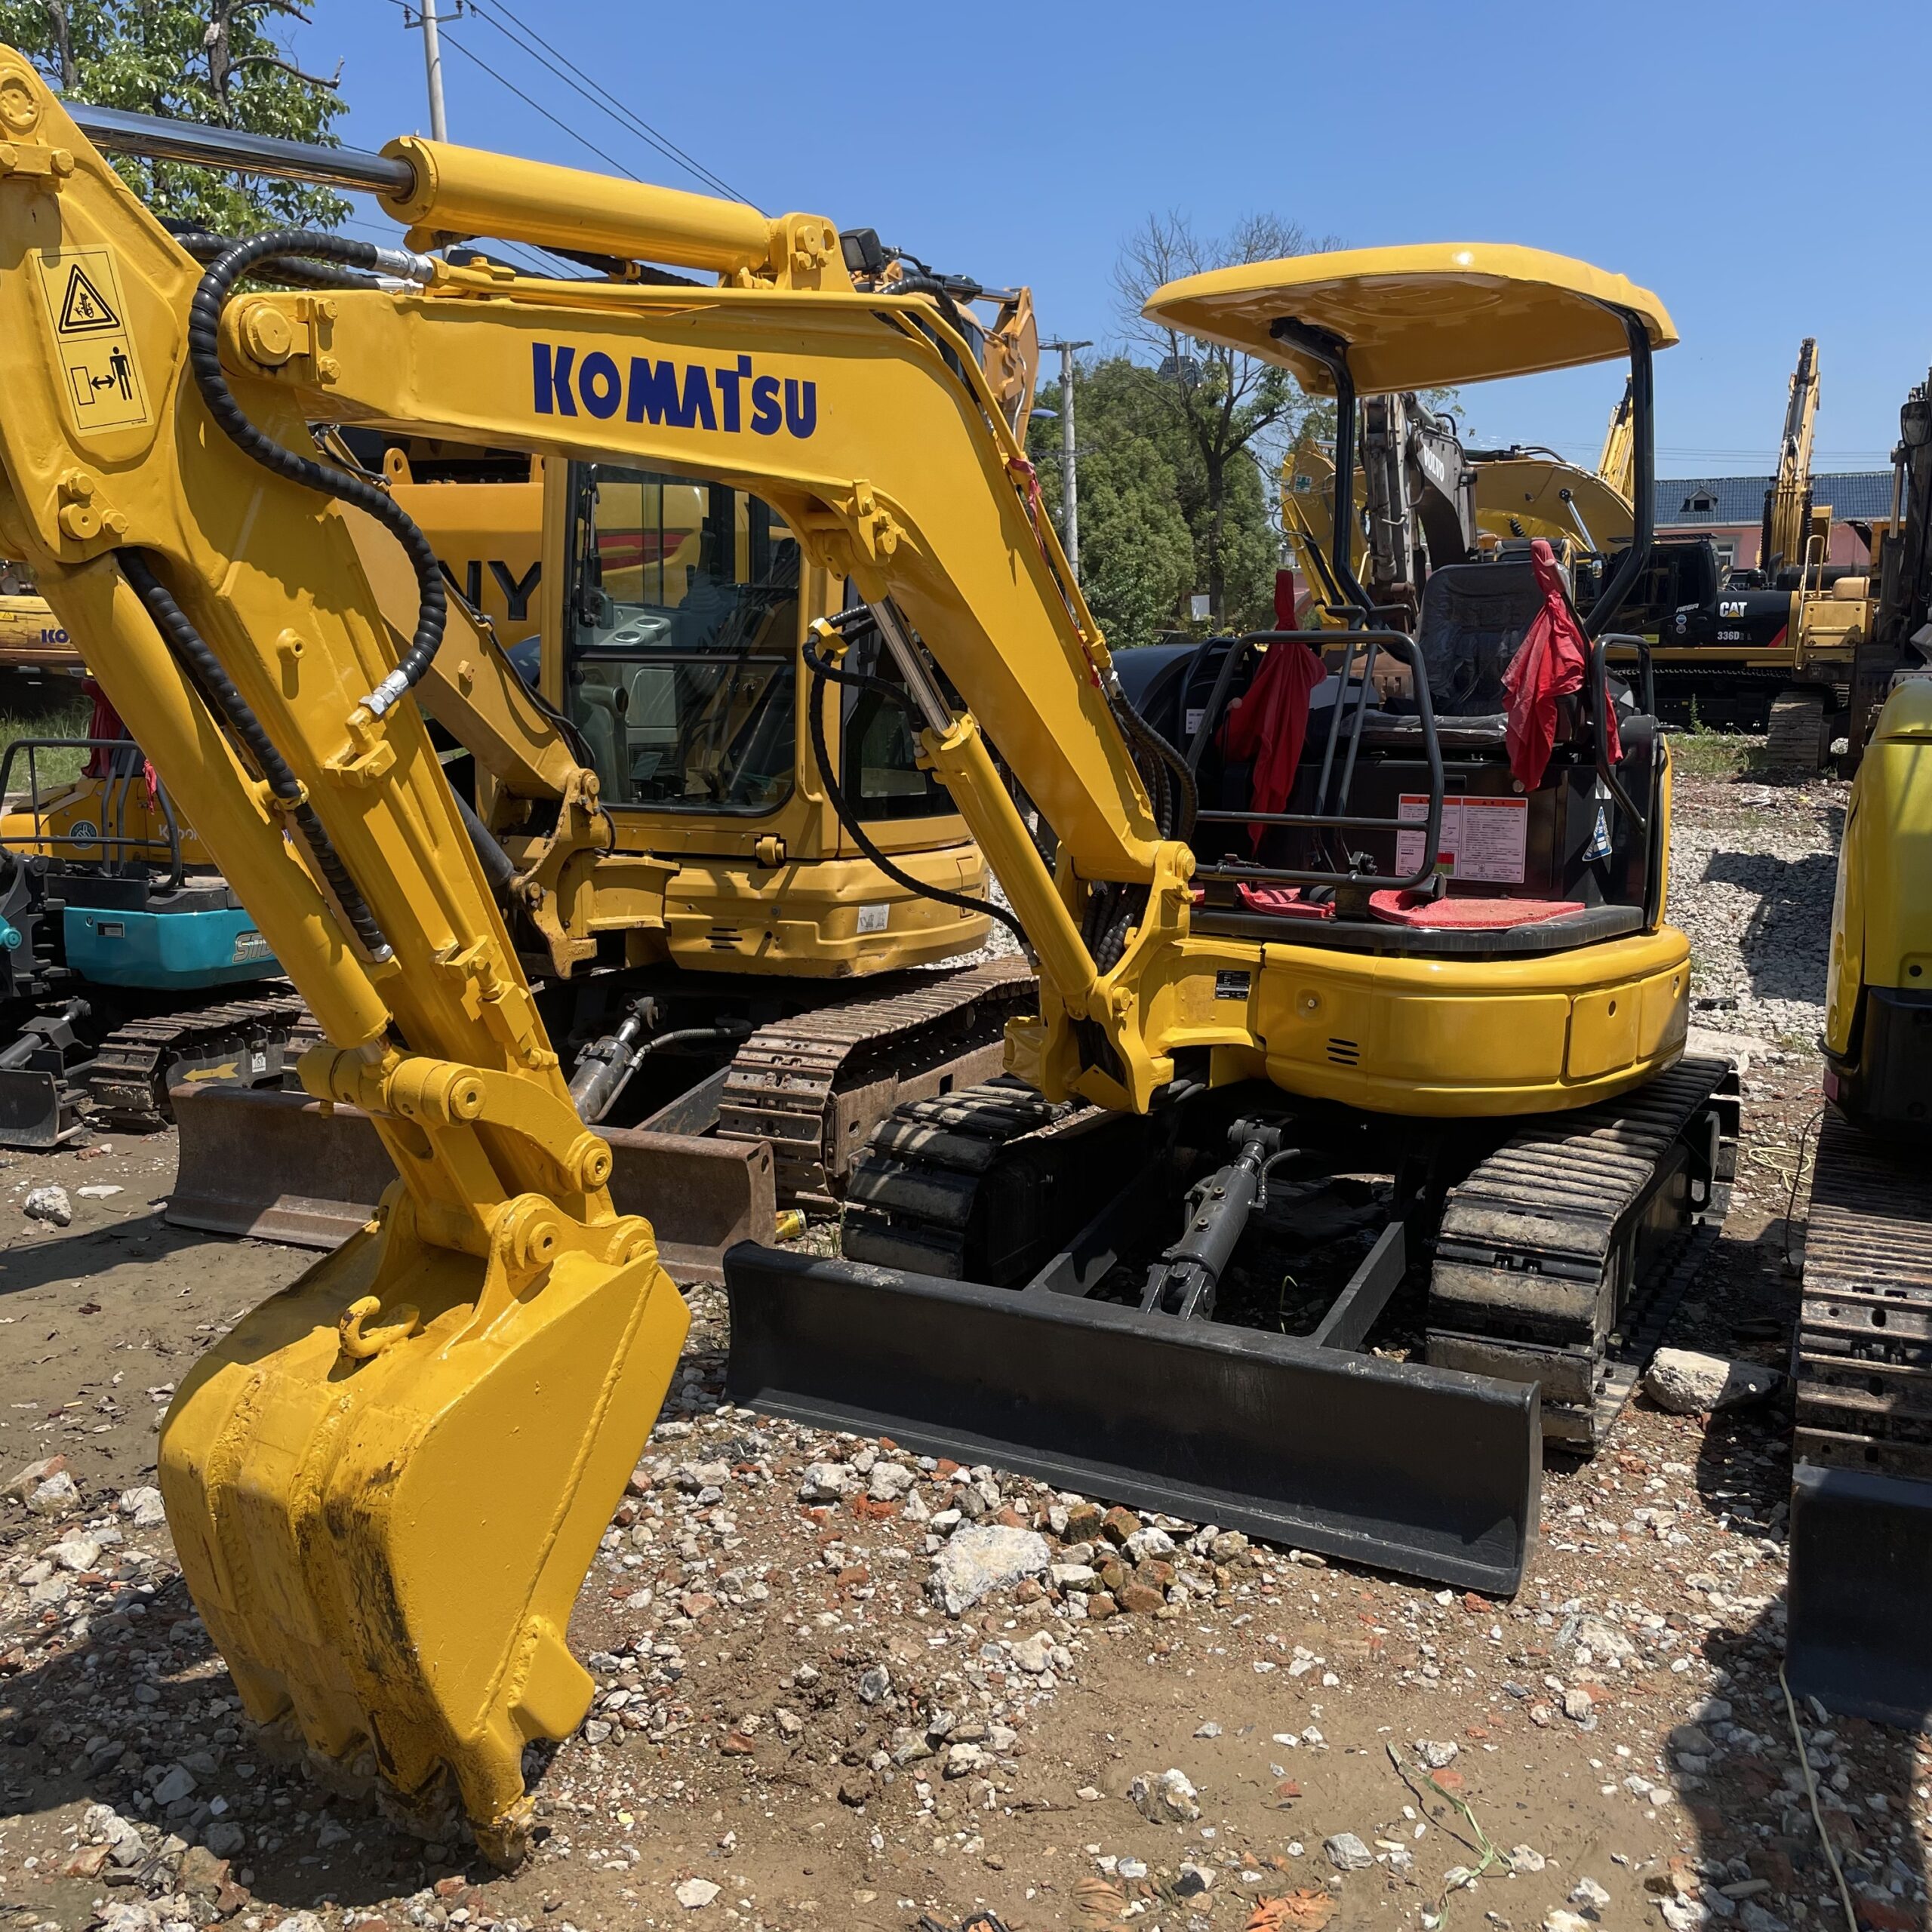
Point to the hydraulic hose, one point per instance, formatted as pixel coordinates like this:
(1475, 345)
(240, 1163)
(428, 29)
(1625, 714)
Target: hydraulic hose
(204, 361)
(1179, 821)
(605, 1070)
(821, 669)
(201, 664)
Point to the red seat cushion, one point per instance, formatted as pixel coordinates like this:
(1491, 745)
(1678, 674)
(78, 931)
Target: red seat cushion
(1285, 900)
(1471, 913)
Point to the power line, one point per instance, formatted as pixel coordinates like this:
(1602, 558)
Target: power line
(599, 96)
(476, 60)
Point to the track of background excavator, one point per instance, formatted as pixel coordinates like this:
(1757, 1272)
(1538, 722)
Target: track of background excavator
(1863, 1356)
(1536, 1250)
(797, 1083)
(911, 1196)
(247, 1042)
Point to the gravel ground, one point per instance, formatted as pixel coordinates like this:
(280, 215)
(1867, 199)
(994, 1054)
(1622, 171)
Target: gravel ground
(1147, 1723)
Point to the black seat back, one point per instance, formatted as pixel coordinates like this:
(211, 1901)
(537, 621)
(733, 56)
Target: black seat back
(1473, 617)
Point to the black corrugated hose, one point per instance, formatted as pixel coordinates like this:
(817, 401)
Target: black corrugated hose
(823, 669)
(215, 684)
(204, 361)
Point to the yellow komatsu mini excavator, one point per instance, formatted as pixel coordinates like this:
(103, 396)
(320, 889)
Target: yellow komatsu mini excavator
(386, 1483)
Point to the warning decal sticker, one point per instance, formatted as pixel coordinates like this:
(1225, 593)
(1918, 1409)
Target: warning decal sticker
(1483, 839)
(103, 380)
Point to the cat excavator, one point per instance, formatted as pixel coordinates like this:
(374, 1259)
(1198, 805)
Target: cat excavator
(386, 1482)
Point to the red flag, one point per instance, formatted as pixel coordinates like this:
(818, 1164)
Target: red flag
(1548, 664)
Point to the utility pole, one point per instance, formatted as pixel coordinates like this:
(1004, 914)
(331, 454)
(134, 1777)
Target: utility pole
(1069, 520)
(432, 61)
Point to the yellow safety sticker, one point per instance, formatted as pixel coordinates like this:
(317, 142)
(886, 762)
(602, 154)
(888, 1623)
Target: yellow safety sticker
(96, 351)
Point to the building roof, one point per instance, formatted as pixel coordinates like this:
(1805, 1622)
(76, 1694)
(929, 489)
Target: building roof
(1691, 503)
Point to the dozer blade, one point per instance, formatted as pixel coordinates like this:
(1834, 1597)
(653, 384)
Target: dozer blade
(1426, 1471)
(275, 1166)
(384, 1514)
(1858, 1638)
(37, 1110)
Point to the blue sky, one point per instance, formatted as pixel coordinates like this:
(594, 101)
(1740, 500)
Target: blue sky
(1735, 159)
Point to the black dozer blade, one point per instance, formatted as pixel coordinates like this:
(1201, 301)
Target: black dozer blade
(1859, 1635)
(37, 1110)
(1429, 1471)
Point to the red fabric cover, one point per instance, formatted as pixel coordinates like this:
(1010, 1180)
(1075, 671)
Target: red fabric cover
(1286, 900)
(106, 723)
(1270, 723)
(1548, 664)
(1285, 600)
(1417, 908)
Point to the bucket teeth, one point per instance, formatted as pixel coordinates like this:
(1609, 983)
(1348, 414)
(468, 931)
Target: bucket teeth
(384, 1523)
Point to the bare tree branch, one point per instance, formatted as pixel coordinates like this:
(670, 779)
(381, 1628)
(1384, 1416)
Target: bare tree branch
(287, 67)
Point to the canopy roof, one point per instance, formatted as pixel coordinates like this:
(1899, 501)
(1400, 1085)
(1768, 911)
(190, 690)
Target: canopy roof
(1420, 318)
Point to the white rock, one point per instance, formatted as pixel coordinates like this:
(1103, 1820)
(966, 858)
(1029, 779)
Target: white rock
(1603, 1640)
(1194, 1880)
(963, 1760)
(1347, 1853)
(77, 1553)
(1073, 1576)
(875, 1684)
(1144, 1543)
(1437, 1753)
(1034, 1654)
(59, 1495)
(1169, 1799)
(143, 1507)
(98, 1193)
(694, 1894)
(977, 1561)
(1684, 1914)
(1708, 1043)
(828, 1482)
(1559, 1919)
(1587, 1891)
(49, 1203)
(1526, 1858)
(1687, 1383)
(890, 1481)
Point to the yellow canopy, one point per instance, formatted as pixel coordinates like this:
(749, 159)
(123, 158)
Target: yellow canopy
(1420, 317)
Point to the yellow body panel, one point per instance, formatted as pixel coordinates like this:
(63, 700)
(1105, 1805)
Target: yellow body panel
(1418, 318)
(1881, 914)
(1523, 496)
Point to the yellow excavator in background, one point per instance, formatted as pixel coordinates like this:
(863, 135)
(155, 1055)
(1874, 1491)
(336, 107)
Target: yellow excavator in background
(1423, 499)
(1859, 1630)
(1377, 1038)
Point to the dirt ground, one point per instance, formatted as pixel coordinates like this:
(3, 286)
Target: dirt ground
(789, 1732)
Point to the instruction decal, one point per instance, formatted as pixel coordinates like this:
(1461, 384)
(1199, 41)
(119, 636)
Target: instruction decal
(84, 303)
(1485, 839)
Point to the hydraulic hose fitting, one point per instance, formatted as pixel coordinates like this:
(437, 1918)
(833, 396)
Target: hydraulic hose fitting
(204, 362)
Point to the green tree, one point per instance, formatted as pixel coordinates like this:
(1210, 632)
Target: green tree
(1136, 552)
(216, 61)
(1233, 412)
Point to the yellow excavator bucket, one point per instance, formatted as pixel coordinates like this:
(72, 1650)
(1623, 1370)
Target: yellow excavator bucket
(384, 1512)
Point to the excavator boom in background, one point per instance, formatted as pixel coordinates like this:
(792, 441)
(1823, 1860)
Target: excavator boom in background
(1435, 1060)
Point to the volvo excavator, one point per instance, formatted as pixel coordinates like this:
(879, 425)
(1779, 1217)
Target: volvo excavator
(386, 1483)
